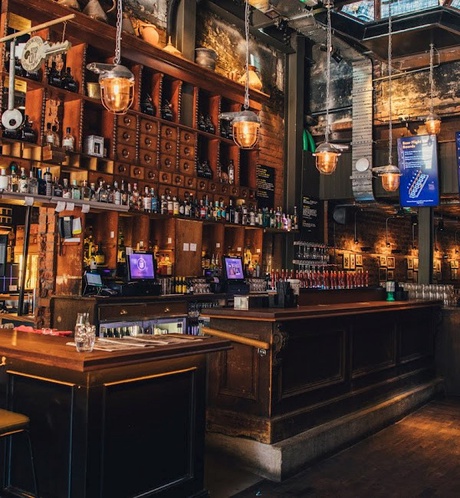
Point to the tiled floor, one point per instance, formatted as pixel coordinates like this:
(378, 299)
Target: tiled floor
(416, 457)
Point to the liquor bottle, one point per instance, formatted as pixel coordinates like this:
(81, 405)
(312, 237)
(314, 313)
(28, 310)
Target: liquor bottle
(124, 194)
(170, 205)
(66, 190)
(101, 194)
(68, 141)
(4, 180)
(48, 139)
(175, 206)
(147, 106)
(14, 180)
(110, 196)
(121, 253)
(56, 140)
(209, 126)
(147, 200)
(100, 255)
(41, 182)
(28, 134)
(134, 198)
(163, 205)
(201, 123)
(76, 192)
(48, 177)
(33, 183)
(54, 77)
(116, 194)
(85, 191)
(295, 219)
(154, 201)
(23, 182)
(231, 172)
(68, 81)
(57, 187)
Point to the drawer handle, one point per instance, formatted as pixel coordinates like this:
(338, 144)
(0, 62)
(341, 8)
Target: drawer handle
(187, 137)
(187, 151)
(168, 146)
(136, 171)
(148, 142)
(151, 175)
(168, 191)
(122, 169)
(213, 186)
(125, 153)
(166, 310)
(123, 311)
(186, 166)
(224, 189)
(177, 179)
(126, 135)
(127, 120)
(148, 126)
(168, 163)
(164, 177)
(190, 182)
(202, 185)
(168, 132)
(147, 158)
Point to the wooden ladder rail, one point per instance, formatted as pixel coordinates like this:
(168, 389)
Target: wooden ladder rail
(237, 338)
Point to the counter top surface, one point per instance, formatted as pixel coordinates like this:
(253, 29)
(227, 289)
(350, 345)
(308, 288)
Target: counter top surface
(317, 310)
(54, 351)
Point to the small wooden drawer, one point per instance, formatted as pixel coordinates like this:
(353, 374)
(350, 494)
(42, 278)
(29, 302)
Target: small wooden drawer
(127, 121)
(141, 311)
(168, 147)
(126, 153)
(165, 177)
(187, 137)
(148, 141)
(187, 166)
(167, 190)
(137, 172)
(224, 188)
(213, 187)
(168, 132)
(202, 184)
(186, 151)
(190, 182)
(244, 193)
(151, 175)
(147, 157)
(122, 169)
(148, 127)
(125, 136)
(252, 195)
(167, 163)
(234, 190)
(178, 180)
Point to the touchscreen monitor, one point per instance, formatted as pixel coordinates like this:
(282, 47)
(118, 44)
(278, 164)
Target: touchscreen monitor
(233, 268)
(141, 266)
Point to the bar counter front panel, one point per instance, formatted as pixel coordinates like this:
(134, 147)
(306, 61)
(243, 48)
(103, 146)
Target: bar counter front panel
(323, 362)
(108, 424)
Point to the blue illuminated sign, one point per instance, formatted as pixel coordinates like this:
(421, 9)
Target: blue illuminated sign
(418, 162)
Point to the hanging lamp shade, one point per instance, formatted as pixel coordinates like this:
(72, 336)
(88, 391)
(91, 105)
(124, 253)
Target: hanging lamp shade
(390, 176)
(433, 123)
(327, 157)
(246, 126)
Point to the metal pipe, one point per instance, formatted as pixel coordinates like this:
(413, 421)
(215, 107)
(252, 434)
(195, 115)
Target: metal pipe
(25, 253)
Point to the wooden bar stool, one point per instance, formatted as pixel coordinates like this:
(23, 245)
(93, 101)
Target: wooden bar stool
(12, 423)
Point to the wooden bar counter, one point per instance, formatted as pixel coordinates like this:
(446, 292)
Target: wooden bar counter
(108, 424)
(323, 361)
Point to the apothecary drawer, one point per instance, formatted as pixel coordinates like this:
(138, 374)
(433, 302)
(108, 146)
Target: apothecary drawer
(127, 121)
(147, 157)
(168, 163)
(168, 132)
(187, 137)
(148, 127)
(148, 141)
(125, 136)
(126, 153)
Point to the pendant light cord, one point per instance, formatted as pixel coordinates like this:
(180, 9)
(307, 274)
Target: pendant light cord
(390, 74)
(328, 67)
(116, 59)
(431, 77)
(246, 35)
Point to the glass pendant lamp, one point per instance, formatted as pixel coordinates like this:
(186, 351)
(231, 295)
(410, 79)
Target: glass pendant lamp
(432, 121)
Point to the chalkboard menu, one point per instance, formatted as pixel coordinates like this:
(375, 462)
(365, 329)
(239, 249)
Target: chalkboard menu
(418, 162)
(310, 216)
(265, 186)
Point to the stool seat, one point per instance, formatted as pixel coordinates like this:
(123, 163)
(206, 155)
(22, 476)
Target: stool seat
(13, 424)
(12, 421)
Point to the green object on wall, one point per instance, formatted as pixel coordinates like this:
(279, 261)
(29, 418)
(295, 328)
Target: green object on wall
(308, 142)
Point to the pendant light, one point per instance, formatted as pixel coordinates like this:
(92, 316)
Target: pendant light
(326, 154)
(116, 81)
(246, 123)
(390, 174)
(432, 121)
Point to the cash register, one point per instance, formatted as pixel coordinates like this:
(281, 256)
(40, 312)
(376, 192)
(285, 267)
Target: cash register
(233, 276)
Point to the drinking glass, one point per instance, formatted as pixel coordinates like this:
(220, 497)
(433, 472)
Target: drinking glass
(85, 333)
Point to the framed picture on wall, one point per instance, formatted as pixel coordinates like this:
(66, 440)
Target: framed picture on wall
(454, 273)
(410, 264)
(352, 261)
(382, 274)
(339, 260)
(416, 264)
(410, 275)
(359, 260)
(346, 261)
(382, 260)
(390, 262)
(390, 275)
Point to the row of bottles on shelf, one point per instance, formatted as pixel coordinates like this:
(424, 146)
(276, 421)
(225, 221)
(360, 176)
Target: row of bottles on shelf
(321, 278)
(310, 252)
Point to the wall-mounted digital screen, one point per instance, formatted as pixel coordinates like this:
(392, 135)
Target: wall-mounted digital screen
(418, 162)
(233, 268)
(141, 266)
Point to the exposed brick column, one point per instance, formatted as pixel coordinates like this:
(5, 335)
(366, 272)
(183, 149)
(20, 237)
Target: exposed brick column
(47, 265)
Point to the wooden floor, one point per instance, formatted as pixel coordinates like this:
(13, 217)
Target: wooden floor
(416, 457)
